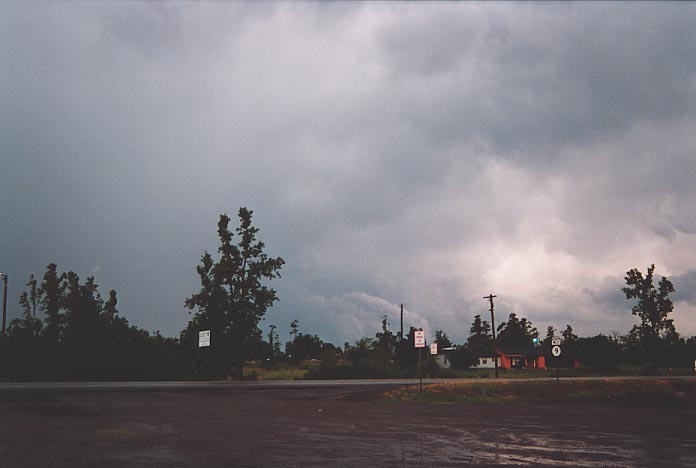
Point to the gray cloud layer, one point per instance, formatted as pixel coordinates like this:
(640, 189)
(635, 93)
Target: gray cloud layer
(417, 153)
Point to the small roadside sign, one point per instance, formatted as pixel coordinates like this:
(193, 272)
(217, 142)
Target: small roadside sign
(420, 339)
(203, 338)
(433, 348)
(555, 341)
(556, 351)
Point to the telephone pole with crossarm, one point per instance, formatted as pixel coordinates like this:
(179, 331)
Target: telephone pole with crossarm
(495, 351)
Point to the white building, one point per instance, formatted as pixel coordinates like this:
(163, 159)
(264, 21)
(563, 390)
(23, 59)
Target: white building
(486, 362)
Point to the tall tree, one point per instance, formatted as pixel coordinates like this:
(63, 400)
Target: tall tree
(233, 298)
(51, 293)
(304, 347)
(28, 302)
(516, 332)
(82, 344)
(442, 340)
(568, 335)
(550, 333)
(480, 341)
(274, 343)
(386, 340)
(83, 337)
(656, 329)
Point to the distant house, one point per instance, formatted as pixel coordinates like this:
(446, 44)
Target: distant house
(486, 362)
(508, 358)
(442, 357)
(521, 358)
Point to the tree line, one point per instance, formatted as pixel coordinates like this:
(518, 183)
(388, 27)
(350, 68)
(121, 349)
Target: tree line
(69, 331)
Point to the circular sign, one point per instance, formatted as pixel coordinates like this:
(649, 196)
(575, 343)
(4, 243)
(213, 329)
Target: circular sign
(556, 351)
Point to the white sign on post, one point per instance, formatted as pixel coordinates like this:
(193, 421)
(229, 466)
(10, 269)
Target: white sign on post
(433, 348)
(556, 351)
(555, 341)
(204, 338)
(420, 339)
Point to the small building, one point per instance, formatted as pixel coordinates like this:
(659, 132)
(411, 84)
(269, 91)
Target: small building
(442, 357)
(508, 358)
(486, 362)
(521, 358)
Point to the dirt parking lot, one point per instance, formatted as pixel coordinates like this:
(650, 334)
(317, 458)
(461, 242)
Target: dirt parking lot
(338, 426)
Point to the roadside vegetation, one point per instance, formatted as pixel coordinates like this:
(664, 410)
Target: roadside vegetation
(653, 390)
(68, 330)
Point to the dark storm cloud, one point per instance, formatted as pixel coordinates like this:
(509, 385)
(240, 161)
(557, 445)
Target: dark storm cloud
(416, 153)
(685, 286)
(609, 295)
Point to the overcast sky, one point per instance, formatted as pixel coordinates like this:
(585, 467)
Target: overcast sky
(419, 153)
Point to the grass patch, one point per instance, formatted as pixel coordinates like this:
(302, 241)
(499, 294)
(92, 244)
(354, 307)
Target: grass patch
(657, 390)
(278, 373)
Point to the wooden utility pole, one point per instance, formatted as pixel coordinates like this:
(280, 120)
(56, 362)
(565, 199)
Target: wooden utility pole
(4, 313)
(402, 322)
(495, 351)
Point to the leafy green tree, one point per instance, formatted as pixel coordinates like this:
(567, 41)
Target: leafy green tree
(516, 332)
(82, 336)
(462, 358)
(50, 294)
(28, 300)
(28, 303)
(442, 340)
(550, 333)
(294, 328)
(23, 336)
(384, 350)
(233, 298)
(274, 343)
(406, 352)
(656, 332)
(568, 335)
(600, 352)
(386, 340)
(81, 341)
(480, 342)
(304, 347)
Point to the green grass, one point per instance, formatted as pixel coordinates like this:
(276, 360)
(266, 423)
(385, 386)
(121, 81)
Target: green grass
(261, 371)
(623, 370)
(285, 372)
(527, 373)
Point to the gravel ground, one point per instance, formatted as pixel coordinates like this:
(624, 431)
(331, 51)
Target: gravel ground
(341, 426)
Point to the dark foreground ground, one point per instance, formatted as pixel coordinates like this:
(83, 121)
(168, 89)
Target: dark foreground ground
(337, 426)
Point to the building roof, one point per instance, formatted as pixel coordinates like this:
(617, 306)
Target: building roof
(521, 351)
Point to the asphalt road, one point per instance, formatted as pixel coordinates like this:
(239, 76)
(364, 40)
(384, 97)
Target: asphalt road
(323, 424)
(208, 385)
(212, 385)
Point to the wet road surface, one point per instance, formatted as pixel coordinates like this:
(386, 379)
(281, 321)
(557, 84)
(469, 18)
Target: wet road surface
(327, 426)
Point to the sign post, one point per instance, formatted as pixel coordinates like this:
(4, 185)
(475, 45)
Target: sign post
(419, 342)
(204, 338)
(556, 352)
(203, 342)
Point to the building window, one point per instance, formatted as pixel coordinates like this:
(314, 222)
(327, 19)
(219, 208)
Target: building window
(484, 360)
